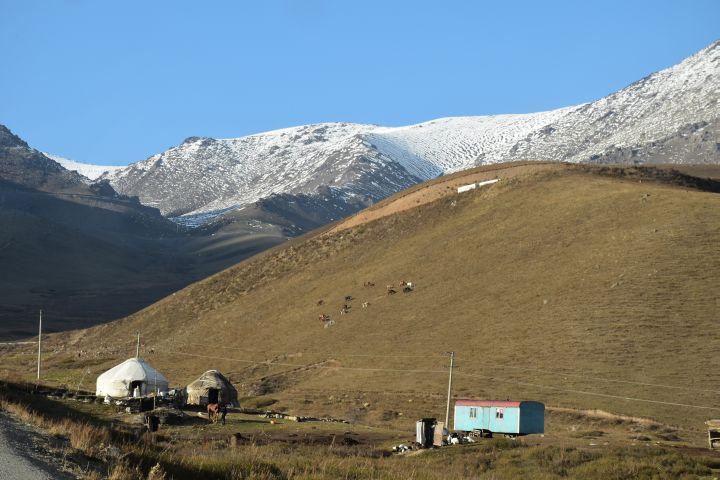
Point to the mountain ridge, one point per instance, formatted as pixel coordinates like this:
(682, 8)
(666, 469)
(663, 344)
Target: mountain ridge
(642, 123)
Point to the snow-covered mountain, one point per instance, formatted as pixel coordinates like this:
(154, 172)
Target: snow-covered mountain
(672, 116)
(362, 162)
(89, 171)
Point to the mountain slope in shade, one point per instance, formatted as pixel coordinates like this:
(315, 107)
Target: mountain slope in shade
(671, 117)
(85, 254)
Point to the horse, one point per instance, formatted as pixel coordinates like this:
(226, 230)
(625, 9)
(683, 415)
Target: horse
(365, 304)
(213, 411)
(324, 318)
(348, 298)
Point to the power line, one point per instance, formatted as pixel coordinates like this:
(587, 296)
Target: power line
(341, 355)
(270, 363)
(549, 372)
(333, 354)
(581, 392)
(599, 379)
(514, 382)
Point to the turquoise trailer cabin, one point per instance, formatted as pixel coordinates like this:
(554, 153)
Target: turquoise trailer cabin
(505, 417)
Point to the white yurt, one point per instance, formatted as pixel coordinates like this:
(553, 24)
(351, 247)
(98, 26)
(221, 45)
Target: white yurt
(132, 377)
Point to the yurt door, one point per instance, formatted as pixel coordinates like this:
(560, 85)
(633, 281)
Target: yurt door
(213, 395)
(136, 385)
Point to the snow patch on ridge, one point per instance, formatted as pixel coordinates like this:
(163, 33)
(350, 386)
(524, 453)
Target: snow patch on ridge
(91, 172)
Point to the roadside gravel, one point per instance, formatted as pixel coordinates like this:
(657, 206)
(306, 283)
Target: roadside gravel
(20, 457)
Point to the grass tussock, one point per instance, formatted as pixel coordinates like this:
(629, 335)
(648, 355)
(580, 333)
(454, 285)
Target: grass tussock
(124, 471)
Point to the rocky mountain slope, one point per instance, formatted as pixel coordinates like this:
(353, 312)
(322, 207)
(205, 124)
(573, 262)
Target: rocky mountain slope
(672, 116)
(29, 168)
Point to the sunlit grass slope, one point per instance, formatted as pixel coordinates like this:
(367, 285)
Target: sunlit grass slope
(575, 286)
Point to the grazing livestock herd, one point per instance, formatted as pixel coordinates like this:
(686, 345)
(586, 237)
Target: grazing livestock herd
(406, 287)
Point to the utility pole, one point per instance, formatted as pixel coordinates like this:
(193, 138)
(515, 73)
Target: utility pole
(81, 380)
(39, 347)
(447, 408)
(137, 349)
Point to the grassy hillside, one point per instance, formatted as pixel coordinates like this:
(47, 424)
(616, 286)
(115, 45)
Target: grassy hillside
(581, 287)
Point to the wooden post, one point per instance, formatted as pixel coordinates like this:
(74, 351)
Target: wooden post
(447, 408)
(156, 393)
(39, 347)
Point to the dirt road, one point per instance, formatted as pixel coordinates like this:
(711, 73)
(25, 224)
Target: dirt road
(20, 458)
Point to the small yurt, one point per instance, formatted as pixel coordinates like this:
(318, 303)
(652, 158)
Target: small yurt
(132, 377)
(211, 387)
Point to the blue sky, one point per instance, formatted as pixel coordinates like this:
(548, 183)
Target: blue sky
(115, 82)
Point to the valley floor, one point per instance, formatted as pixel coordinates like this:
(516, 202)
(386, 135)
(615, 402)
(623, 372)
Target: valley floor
(576, 445)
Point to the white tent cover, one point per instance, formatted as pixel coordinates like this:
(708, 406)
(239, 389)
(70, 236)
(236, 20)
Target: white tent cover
(117, 381)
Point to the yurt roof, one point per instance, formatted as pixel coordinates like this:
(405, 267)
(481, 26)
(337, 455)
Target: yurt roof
(134, 369)
(211, 379)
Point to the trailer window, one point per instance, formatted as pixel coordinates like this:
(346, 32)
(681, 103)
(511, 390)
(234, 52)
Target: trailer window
(500, 413)
(473, 413)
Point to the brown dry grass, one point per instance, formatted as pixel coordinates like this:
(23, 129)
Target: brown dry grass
(492, 459)
(191, 452)
(575, 287)
(442, 187)
(83, 436)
